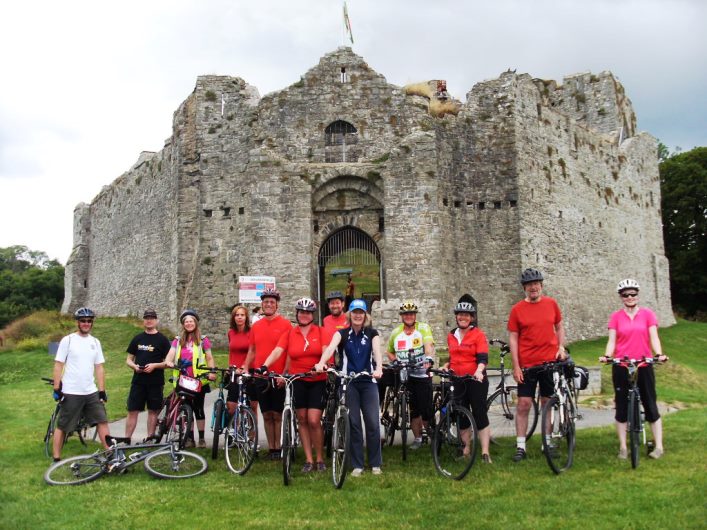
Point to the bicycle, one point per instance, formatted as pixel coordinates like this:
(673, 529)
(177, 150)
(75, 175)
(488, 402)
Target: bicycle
(219, 414)
(341, 429)
(81, 429)
(636, 416)
(328, 414)
(241, 432)
(289, 434)
(559, 414)
(453, 451)
(502, 403)
(161, 460)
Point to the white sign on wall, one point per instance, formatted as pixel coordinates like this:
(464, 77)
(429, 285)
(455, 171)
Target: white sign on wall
(250, 288)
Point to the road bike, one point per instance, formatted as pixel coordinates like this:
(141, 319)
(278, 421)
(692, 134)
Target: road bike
(455, 439)
(161, 460)
(501, 406)
(81, 430)
(635, 419)
(241, 431)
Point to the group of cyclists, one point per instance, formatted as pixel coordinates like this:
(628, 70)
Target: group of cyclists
(347, 338)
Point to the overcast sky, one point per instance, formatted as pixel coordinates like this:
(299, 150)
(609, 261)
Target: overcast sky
(86, 86)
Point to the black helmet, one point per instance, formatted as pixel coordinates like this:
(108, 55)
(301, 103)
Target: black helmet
(334, 295)
(531, 275)
(270, 292)
(465, 305)
(84, 312)
(188, 313)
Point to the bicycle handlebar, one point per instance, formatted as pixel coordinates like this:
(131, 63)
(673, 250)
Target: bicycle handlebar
(632, 362)
(48, 381)
(350, 376)
(549, 365)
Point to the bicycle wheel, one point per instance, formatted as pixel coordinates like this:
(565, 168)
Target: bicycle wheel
(501, 409)
(161, 427)
(49, 435)
(558, 435)
(634, 427)
(180, 430)
(287, 441)
(171, 464)
(455, 443)
(241, 441)
(389, 417)
(340, 453)
(75, 470)
(328, 416)
(217, 422)
(403, 416)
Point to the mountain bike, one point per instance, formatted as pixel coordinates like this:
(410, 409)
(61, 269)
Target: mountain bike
(241, 432)
(559, 414)
(161, 460)
(455, 439)
(341, 450)
(635, 419)
(502, 403)
(81, 430)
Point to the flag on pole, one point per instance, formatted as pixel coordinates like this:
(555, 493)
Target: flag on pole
(347, 23)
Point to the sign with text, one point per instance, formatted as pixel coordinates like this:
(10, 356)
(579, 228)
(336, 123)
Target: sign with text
(250, 287)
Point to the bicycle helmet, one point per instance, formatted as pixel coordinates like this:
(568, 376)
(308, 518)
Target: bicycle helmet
(531, 275)
(306, 304)
(359, 303)
(84, 312)
(465, 305)
(628, 283)
(188, 313)
(408, 306)
(270, 292)
(334, 295)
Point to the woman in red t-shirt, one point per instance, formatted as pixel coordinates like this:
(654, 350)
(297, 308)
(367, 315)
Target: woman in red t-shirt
(468, 356)
(238, 341)
(304, 345)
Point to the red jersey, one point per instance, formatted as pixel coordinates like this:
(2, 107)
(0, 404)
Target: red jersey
(305, 353)
(462, 356)
(238, 344)
(535, 324)
(333, 324)
(264, 336)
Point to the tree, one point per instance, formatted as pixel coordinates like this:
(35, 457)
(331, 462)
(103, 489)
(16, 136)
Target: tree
(683, 186)
(29, 280)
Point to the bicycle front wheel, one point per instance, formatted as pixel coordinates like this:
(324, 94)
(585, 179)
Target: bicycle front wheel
(455, 443)
(404, 423)
(241, 441)
(558, 435)
(181, 429)
(75, 470)
(501, 409)
(170, 464)
(634, 427)
(288, 437)
(217, 422)
(328, 422)
(49, 435)
(389, 415)
(340, 447)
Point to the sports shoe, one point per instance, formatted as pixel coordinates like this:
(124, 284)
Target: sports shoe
(623, 454)
(202, 443)
(656, 453)
(308, 467)
(486, 458)
(321, 466)
(377, 471)
(520, 455)
(189, 444)
(357, 472)
(416, 444)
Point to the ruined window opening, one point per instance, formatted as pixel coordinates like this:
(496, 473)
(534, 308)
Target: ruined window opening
(482, 206)
(457, 204)
(559, 214)
(85, 284)
(208, 213)
(316, 226)
(470, 204)
(241, 210)
(496, 205)
(340, 137)
(513, 203)
(445, 201)
(344, 75)
(381, 224)
(226, 211)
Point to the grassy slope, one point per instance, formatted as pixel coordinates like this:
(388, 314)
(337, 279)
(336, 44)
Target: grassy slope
(598, 492)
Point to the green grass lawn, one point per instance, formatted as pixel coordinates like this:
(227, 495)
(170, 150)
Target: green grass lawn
(598, 492)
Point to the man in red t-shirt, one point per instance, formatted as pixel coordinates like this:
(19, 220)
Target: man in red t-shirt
(336, 319)
(264, 336)
(536, 335)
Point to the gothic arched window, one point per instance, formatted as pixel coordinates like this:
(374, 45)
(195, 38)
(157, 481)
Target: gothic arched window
(340, 139)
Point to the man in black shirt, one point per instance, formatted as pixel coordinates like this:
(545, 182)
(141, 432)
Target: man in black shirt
(146, 354)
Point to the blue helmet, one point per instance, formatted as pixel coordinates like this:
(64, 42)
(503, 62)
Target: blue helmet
(359, 303)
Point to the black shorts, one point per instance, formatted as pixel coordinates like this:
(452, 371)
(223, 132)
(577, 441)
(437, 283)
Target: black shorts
(646, 388)
(421, 397)
(531, 378)
(472, 394)
(309, 394)
(249, 391)
(73, 406)
(270, 398)
(142, 394)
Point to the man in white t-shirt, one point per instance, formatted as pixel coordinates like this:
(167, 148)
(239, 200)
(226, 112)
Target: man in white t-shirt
(78, 358)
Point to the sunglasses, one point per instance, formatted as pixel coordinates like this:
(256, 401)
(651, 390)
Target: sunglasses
(629, 295)
(85, 321)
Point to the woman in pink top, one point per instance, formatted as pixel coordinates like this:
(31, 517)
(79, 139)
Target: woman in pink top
(633, 333)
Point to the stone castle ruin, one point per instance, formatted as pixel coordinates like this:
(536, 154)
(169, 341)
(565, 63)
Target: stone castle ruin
(524, 173)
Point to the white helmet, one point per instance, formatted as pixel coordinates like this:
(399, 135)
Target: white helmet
(628, 283)
(306, 304)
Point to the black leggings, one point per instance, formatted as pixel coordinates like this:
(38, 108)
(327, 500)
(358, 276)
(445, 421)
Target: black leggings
(472, 394)
(646, 388)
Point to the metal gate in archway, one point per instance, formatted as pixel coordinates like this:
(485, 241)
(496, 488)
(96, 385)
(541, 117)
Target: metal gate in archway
(350, 258)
